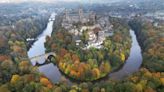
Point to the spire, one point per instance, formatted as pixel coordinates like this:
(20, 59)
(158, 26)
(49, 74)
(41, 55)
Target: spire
(66, 14)
(80, 14)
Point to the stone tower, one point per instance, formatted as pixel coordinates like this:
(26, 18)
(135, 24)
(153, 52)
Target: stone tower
(92, 16)
(66, 14)
(80, 14)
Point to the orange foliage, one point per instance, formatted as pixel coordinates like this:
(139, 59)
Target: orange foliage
(78, 74)
(30, 77)
(96, 72)
(75, 58)
(24, 63)
(45, 82)
(161, 39)
(4, 57)
(80, 69)
(63, 52)
(149, 90)
(162, 80)
(157, 74)
(76, 65)
(49, 86)
(24, 66)
(82, 65)
(17, 48)
(73, 73)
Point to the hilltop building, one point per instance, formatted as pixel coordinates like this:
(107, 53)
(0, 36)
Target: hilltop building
(76, 22)
(79, 17)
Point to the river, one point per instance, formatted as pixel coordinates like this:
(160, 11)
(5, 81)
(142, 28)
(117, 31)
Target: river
(52, 72)
(133, 62)
(49, 70)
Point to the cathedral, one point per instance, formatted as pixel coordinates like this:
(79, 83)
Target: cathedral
(78, 17)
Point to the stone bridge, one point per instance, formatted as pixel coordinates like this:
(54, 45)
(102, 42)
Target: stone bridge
(42, 59)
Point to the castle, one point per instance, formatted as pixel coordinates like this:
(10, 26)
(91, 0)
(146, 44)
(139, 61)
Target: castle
(79, 17)
(98, 27)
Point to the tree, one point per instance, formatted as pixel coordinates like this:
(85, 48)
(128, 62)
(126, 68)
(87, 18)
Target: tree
(24, 67)
(105, 67)
(73, 90)
(3, 41)
(4, 57)
(162, 80)
(107, 43)
(75, 58)
(84, 87)
(68, 69)
(139, 88)
(92, 63)
(117, 38)
(96, 89)
(149, 90)
(58, 89)
(85, 36)
(45, 82)
(63, 52)
(4, 88)
(73, 73)
(103, 90)
(122, 57)
(7, 64)
(8, 68)
(15, 78)
(96, 73)
(53, 47)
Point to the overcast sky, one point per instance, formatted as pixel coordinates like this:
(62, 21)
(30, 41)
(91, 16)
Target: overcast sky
(94, 1)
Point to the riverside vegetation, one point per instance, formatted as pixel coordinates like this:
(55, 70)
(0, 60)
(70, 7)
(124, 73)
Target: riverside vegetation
(17, 74)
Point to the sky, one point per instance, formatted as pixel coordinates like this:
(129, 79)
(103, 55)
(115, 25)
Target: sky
(93, 1)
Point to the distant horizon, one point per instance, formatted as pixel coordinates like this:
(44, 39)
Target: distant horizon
(83, 1)
(50, 1)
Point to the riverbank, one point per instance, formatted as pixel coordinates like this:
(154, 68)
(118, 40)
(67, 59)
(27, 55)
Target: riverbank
(126, 69)
(133, 62)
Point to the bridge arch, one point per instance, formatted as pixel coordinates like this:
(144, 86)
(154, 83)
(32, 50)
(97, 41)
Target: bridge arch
(47, 57)
(50, 57)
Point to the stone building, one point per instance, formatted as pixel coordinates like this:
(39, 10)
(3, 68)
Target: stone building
(79, 17)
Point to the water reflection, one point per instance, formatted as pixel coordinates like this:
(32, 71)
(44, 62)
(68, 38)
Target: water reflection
(51, 71)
